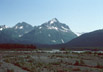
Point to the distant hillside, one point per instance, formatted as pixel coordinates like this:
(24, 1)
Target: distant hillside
(92, 39)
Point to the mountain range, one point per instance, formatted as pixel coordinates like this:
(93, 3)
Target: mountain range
(51, 32)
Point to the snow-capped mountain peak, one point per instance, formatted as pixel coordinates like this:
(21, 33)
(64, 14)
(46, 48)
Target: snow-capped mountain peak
(54, 24)
(22, 25)
(22, 28)
(53, 21)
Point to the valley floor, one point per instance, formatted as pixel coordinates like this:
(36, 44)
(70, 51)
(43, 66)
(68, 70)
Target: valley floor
(46, 61)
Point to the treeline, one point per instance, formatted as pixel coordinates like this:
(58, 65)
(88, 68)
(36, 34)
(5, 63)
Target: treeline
(17, 46)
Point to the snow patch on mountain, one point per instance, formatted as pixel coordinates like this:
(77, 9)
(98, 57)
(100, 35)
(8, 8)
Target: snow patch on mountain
(20, 35)
(62, 40)
(80, 33)
(49, 35)
(57, 28)
(53, 21)
(52, 27)
(16, 27)
(66, 29)
(1, 29)
(53, 40)
(21, 27)
(40, 27)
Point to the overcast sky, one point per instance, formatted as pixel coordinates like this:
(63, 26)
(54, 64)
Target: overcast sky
(79, 15)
